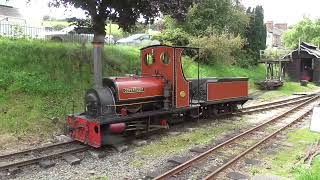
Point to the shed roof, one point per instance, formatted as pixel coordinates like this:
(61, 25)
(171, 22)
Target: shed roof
(309, 49)
(10, 11)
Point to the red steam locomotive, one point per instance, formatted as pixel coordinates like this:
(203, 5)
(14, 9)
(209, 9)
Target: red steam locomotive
(159, 97)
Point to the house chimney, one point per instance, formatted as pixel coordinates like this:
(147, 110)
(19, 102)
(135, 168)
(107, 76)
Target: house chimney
(269, 26)
(98, 43)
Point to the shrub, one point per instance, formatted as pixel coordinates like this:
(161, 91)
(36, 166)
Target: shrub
(218, 48)
(58, 27)
(245, 59)
(177, 37)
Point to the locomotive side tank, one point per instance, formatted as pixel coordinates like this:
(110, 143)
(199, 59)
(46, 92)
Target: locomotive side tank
(136, 88)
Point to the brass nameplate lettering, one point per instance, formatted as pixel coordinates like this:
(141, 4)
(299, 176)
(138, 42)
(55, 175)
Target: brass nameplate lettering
(133, 90)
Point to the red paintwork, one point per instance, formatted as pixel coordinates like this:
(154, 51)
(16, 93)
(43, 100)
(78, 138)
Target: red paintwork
(153, 86)
(171, 72)
(124, 112)
(117, 128)
(182, 85)
(158, 68)
(83, 130)
(227, 90)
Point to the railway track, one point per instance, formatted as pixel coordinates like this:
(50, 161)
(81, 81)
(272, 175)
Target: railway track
(237, 146)
(273, 105)
(36, 155)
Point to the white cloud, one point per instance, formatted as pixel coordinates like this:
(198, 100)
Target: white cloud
(36, 9)
(287, 11)
(281, 11)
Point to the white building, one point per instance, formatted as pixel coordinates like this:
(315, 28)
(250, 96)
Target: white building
(274, 34)
(11, 15)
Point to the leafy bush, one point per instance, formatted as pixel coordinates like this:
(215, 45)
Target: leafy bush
(58, 27)
(245, 59)
(177, 37)
(219, 16)
(305, 30)
(218, 48)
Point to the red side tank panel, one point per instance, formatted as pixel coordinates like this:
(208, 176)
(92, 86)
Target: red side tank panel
(133, 88)
(182, 85)
(227, 90)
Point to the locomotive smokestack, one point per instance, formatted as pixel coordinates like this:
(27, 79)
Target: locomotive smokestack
(98, 43)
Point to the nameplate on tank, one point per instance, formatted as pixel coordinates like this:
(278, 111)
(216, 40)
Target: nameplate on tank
(133, 90)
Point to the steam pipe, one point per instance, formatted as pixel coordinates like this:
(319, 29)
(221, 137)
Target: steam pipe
(98, 43)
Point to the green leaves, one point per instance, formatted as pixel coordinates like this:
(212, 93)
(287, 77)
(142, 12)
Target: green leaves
(218, 48)
(215, 16)
(305, 30)
(256, 33)
(177, 37)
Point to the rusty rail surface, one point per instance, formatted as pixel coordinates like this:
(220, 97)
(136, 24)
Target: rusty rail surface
(272, 105)
(180, 168)
(34, 160)
(235, 159)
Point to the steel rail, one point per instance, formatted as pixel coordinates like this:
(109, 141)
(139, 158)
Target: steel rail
(38, 159)
(271, 106)
(188, 163)
(229, 163)
(277, 102)
(36, 149)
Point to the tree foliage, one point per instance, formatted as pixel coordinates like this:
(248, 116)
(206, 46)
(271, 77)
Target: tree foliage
(305, 30)
(125, 12)
(83, 26)
(175, 36)
(256, 33)
(216, 16)
(218, 48)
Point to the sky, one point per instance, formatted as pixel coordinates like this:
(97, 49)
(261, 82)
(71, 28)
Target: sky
(279, 11)
(287, 11)
(36, 9)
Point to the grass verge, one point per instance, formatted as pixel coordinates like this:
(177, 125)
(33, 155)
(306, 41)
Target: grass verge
(40, 80)
(170, 145)
(286, 162)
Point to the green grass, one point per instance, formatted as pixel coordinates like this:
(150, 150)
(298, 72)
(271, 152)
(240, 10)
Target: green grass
(254, 74)
(38, 81)
(170, 145)
(310, 174)
(287, 90)
(54, 23)
(115, 30)
(283, 164)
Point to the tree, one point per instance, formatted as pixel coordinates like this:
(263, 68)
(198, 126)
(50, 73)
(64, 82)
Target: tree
(216, 16)
(256, 33)
(82, 26)
(125, 12)
(306, 30)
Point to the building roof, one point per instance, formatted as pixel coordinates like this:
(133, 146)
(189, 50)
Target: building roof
(277, 31)
(309, 49)
(10, 11)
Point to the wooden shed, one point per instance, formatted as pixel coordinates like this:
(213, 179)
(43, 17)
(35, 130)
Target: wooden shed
(305, 63)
